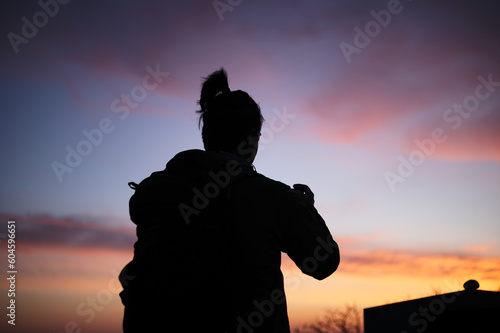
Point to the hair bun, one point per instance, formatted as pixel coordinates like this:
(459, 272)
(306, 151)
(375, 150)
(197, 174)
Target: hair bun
(214, 84)
(229, 118)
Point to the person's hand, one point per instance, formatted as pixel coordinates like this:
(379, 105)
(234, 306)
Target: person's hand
(305, 193)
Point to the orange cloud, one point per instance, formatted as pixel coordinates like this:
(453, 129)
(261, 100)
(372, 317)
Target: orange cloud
(385, 264)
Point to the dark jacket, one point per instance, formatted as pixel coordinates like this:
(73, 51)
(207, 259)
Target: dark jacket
(210, 235)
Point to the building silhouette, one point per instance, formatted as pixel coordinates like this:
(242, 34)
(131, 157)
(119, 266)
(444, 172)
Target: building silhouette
(470, 310)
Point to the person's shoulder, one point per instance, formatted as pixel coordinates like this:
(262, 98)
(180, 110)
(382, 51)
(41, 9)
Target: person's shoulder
(265, 184)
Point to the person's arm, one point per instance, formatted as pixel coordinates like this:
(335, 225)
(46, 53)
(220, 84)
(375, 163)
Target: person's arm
(306, 238)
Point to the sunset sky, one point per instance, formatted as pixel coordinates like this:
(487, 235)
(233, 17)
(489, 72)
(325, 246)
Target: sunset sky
(388, 110)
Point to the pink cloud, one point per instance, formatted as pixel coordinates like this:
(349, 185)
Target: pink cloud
(54, 232)
(475, 137)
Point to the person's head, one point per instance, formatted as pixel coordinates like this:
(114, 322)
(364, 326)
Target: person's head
(231, 119)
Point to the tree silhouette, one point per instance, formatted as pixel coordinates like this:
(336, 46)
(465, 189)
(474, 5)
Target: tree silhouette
(345, 320)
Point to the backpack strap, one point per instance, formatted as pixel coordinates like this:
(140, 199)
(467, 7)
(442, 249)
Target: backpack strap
(133, 185)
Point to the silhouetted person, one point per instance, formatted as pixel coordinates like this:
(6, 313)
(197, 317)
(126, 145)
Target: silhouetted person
(211, 231)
